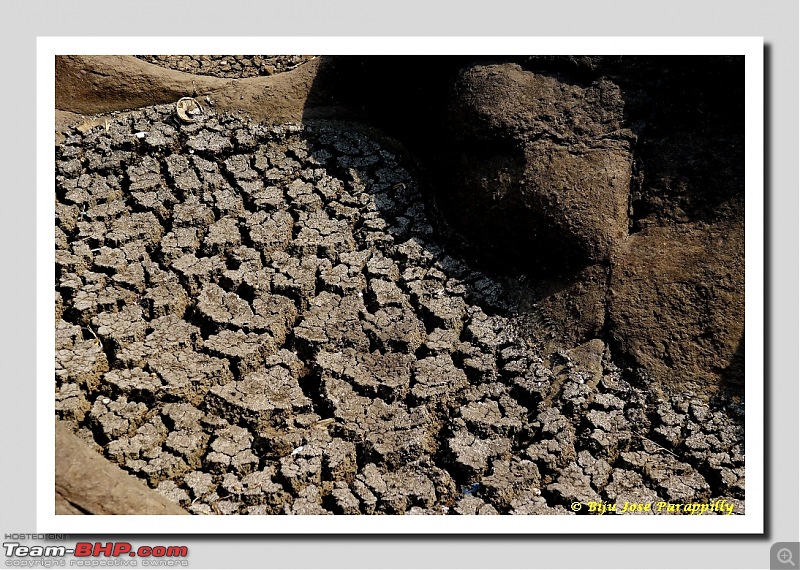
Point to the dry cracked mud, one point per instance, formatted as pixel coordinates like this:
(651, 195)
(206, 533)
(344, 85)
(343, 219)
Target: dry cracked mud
(228, 66)
(262, 320)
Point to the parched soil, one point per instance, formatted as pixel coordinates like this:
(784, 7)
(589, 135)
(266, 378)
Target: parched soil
(266, 319)
(230, 66)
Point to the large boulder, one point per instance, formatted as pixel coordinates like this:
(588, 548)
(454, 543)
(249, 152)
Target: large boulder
(540, 168)
(676, 303)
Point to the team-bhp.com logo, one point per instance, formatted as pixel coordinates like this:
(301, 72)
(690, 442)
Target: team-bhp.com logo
(92, 554)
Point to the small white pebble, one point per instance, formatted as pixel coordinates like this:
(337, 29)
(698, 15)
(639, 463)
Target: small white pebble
(298, 450)
(106, 400)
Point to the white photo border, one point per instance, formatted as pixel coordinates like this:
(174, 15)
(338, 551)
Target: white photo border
(752, 522)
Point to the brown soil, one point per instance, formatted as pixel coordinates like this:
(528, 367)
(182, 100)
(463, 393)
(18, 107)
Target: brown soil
(266, 312)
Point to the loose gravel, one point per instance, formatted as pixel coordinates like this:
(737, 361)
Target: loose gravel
(262, 320)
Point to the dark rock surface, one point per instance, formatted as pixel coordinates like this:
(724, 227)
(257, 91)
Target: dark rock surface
(540, 163)
(677, 304)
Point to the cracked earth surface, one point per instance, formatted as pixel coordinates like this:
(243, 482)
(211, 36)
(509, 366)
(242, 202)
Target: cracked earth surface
(228, 66)
(261, 320)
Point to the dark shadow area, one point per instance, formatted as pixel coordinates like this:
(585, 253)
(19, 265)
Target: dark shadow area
(687, 113)
(685, 116)
(403, 102)
(733, 376)
(408, 99)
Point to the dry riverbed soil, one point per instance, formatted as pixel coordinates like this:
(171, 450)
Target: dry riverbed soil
(283, 316)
